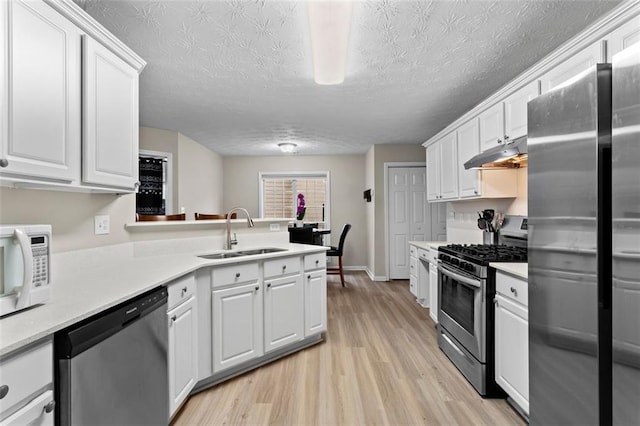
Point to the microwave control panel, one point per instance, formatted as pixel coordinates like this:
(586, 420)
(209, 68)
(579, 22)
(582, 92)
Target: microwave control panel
(40, 251)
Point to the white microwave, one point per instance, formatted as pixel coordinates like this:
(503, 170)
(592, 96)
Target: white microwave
(25, 266)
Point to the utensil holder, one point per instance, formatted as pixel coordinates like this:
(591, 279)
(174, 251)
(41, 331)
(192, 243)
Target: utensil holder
(489, 237)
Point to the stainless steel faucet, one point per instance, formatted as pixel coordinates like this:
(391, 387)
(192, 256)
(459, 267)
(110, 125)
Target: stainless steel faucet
(234, 241)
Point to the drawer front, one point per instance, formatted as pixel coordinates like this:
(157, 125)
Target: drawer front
(413, 266)
(315, 261)
(413, 285)
(25, 374)
(423, 254)
(512, 288)
(432, 255)
(281, 266)
(412, 250)
(180, 290)
(234, 274)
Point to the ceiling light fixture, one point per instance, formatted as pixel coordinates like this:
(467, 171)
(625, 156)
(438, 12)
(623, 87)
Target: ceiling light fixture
(329, 23)
(287, 147)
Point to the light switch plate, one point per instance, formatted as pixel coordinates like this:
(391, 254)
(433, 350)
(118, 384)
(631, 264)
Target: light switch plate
(101, 224)
(274, 227)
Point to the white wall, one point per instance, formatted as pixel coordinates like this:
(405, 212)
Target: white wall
(200, 187)
(347, 173)
(72, 214)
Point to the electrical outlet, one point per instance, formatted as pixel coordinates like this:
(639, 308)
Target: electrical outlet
(101, 224)
(274, 227)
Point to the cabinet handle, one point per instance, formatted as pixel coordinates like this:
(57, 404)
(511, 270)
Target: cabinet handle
(4, 390)
(495, 302)
(475, 192)
(514, 291)
(136, 185)
(257, 288)
(317, 261)
(308, 277)
(237, 274)
(4, 162)
(506, 138)
(184, 291)
(173, 318)
(49, 407)
(499, 141)
(269, 285)
(284, 268)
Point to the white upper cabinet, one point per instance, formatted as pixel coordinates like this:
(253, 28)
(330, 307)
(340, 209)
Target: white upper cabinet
(468, 146)
(623, 37)
(110, 131)
(515, 110)
(492, 127)
(573, 66)
(40, 92)
(69, 100)
(433, 172)
(449, 172)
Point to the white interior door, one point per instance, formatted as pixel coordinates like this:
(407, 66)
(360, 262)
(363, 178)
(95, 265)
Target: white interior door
(409, 216)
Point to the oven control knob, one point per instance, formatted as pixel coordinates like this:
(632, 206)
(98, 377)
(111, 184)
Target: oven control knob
(463, 265)
(455, 261)
(469, 267)
(445, 258)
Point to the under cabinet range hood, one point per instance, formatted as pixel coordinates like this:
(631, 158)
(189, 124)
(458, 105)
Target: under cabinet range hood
(512, 154)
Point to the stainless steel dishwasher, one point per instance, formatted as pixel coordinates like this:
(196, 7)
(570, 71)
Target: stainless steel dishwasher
(112, 368)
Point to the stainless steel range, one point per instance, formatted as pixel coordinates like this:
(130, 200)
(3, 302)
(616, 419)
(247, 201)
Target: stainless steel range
(465, 310)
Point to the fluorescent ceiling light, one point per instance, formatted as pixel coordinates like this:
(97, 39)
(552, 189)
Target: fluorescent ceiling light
(287, 147)
(329, 23)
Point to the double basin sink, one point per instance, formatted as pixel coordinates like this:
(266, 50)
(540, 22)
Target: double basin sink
(240, 253)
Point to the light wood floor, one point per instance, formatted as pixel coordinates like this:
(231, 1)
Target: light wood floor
(380, 364)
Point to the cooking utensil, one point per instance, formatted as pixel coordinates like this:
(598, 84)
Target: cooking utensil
(482, 224)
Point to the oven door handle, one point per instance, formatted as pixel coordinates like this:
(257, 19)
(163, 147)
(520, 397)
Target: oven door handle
(465, 280)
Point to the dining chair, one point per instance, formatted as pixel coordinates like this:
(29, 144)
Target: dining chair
(205, 216)
(159, 217)
(338, 251)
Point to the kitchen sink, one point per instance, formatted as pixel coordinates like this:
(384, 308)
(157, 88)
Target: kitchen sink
(231, 254)
(221, 255)
(261, 251)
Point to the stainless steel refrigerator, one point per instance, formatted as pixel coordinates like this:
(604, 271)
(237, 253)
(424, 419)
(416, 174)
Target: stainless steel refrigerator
(584, 248)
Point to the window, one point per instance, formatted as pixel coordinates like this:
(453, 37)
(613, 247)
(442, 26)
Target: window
(279, 193)
(154, 195)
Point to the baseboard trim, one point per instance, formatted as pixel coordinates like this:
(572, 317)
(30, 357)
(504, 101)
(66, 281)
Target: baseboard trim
(373, 277)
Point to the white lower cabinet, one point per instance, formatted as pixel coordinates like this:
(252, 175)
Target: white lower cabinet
(283, 312)
(315, 302)
(512, 339)
(182, 325)
(237, 325)
(26, 383)
(183, 352)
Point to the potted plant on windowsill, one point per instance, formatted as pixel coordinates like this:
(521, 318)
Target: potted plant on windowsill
(300, 211)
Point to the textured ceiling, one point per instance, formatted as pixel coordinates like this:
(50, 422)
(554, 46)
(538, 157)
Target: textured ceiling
(236, 75)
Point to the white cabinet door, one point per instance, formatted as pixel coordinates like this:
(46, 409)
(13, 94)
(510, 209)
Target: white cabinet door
(110, 132)
(183, 352)
(433, 172)
(449, 170)
(492, 127)
(315, 302)
(283, 312)
(468, 146)
(40, 92)
(623, 37)
(433, 292)
(515, 110)
(573, 66)
(237, 325)
(512, 350)
(39, 411)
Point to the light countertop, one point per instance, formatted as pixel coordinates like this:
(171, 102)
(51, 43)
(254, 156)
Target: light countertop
(80, 291)
(428, 244)
(519, 270)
